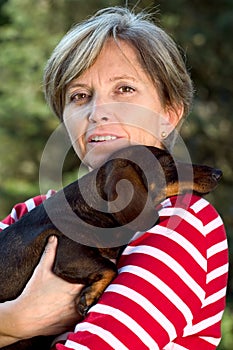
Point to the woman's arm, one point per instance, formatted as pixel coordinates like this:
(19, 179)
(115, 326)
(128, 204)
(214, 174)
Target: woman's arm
(45, 307)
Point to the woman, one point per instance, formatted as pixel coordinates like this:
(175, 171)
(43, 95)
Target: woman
(115, 80)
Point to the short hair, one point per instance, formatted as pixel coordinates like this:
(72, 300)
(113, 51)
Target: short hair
(157, 52)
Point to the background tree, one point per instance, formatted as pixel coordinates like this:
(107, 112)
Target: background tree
(29, 30)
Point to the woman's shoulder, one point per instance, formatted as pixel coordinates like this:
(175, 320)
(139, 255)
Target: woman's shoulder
(23, 208)
(187, 218)
(190, 207)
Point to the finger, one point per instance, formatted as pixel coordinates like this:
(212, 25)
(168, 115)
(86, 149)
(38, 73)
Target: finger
(49, 253)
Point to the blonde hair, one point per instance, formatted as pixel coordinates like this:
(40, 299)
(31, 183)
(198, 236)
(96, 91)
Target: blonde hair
(157, 53)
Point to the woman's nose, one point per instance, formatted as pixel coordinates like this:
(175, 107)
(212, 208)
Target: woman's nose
(100, 113)
(98, 116)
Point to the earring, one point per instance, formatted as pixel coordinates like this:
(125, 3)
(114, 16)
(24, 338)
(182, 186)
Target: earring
(163, 134)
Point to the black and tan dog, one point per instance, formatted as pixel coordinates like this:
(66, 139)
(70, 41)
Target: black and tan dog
(93, 219)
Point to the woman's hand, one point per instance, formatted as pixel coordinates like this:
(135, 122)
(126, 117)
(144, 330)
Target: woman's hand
(45, 307)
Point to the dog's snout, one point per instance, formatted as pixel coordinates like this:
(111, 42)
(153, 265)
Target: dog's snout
(216, 174)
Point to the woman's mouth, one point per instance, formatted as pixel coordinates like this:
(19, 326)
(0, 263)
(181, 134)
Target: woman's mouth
(106, 142)
(101, 138)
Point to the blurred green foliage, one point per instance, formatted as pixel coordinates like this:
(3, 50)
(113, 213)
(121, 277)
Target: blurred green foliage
(29, 30)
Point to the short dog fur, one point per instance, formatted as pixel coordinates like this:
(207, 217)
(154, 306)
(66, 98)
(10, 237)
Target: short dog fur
(83, 254)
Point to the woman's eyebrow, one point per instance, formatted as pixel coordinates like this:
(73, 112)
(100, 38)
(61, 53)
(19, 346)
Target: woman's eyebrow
(74, 85)
(122, 77)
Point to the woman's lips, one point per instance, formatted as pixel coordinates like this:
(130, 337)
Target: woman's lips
(101, 138)
(106, 142)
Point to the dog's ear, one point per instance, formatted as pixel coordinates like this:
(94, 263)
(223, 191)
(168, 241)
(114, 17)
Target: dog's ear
(128, 198)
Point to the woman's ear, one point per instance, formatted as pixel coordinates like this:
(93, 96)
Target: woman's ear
(175, 114)
(171, 119)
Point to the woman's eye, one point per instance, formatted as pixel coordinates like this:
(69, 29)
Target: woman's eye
(126, 89)
(79, 97)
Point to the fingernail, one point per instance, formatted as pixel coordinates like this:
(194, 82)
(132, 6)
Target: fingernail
(51, 239)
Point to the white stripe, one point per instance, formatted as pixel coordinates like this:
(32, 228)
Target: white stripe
(211, 340)
(217, 248)
(214, 297)
(199, 205)
(14, 215)
(49, 194)
(206, 323)
(166, 203)
(183, 242)
(212, 225)
(173, 346)
(161, 230)
(30, 204)
(2, 225)
(184, 215)
(128, 322)
(73, 345)
(172, 264)
(59, 338)
(159, 284)
(217, 273)
(108, 337)
(137, 235)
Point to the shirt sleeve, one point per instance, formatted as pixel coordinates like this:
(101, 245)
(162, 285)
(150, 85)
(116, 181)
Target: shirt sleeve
(170, 288)
(23, 208)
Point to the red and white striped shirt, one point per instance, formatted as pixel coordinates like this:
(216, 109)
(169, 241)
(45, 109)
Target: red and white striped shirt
(171, 287)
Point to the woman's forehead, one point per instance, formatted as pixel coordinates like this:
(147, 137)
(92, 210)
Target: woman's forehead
(116, 61)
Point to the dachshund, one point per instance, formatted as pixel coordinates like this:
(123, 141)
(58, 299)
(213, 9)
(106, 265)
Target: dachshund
(94, 218)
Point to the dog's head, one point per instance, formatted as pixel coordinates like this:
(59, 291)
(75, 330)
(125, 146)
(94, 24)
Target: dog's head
(181, 177)
(138, 178)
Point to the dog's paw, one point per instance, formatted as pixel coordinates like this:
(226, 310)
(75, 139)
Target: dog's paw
(86, 300)
(82, 306)
(91, 294)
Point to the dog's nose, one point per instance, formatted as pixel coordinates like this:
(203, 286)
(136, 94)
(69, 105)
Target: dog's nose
(216, 174)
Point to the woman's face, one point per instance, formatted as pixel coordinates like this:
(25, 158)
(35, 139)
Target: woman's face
(114, 104)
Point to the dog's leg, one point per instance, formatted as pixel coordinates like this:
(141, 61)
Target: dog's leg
(79, 264)
(91, 293)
